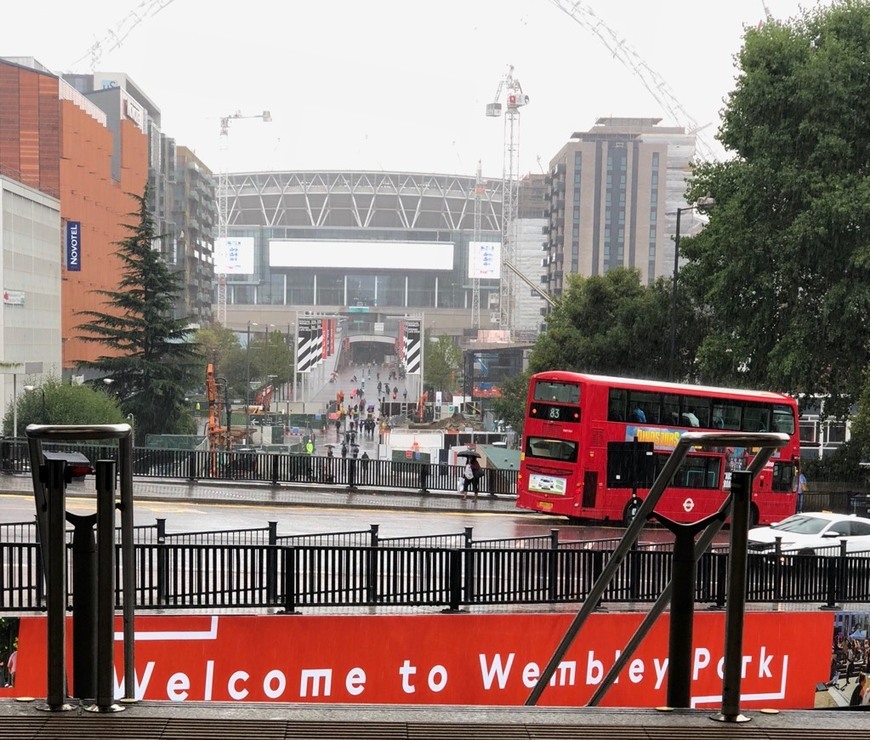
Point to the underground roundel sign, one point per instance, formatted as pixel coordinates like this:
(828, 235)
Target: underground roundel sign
(688, 505)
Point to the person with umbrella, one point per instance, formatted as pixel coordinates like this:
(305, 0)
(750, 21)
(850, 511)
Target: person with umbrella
(471, 473)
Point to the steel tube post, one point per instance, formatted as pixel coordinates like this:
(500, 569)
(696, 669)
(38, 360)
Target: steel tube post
(54, 552)
(741, 490)
(688, 440)
(682, 617)
(84, 590)
(704, 541)
(105, 474)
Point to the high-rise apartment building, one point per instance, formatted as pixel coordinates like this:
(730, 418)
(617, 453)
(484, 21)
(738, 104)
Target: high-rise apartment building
(613, 196)
(195, 213)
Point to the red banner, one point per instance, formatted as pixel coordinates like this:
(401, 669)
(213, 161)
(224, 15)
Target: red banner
(445, 659)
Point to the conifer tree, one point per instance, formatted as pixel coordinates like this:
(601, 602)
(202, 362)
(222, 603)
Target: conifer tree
(154, 358)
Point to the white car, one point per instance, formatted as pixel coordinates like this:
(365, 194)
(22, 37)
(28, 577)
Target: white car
(811, 533)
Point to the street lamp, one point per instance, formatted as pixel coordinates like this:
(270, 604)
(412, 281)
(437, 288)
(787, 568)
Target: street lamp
(706, 202)
(30, 389)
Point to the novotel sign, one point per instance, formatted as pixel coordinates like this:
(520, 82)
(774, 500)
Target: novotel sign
(74, 246)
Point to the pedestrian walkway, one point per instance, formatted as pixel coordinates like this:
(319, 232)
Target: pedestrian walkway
(289, 494)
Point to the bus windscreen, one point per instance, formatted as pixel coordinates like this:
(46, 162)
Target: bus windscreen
(546, 390)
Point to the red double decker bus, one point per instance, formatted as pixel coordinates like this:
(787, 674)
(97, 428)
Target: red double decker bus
(593, 445)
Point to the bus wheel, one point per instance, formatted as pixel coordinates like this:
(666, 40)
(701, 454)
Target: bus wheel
(630, 511)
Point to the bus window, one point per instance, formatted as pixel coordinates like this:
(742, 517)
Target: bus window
(726, 416)
(756, 418)
(783, 477)
(644, 407)
(783, 419)
(546, 390)
(630, 464)
(616, 404)
(671, 410)
(696, 471)
(700, 407)
(551, 449)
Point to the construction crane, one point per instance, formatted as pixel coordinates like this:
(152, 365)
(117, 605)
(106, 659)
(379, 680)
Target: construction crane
(515, 99)
(621, 50)
(224, 202)
(116, 35)
(478, 213)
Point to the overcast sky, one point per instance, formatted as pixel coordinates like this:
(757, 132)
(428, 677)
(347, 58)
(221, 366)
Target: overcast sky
(391, 84)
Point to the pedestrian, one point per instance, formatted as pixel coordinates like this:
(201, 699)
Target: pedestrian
(802, 489)
(476, 475)
(309, 447)
(344, 449)
(857, 698)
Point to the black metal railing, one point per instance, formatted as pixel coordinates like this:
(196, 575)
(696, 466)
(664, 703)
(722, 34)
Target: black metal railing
(183, 575)
(274, 468)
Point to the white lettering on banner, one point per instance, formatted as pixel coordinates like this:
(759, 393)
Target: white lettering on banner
(314, 675)
(702, 660)
(209, 680)
(437, 678)
(232, 688)
(567, 673)
(764, 664)
(531, 674)
(495, 670)
(355, 681)
(496, 674)
(594, 670)
(406, 671)
(280, 683)
(660, 669)
(177, 687)
(635, 671)
(139, 688)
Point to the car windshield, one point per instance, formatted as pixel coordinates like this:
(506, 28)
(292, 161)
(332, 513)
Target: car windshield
(802, 524)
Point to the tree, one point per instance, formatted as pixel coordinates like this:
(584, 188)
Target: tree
(55, 403)
(613, 325)
(442, 359)
(783, 267)
(154, 361)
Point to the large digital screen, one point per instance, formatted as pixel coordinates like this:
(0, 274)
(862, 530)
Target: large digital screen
(361, 254)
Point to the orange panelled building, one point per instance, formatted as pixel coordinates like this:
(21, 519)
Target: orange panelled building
(54, 139)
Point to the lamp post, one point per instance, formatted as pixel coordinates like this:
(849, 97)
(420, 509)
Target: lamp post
(248, 382)
(706, 202)
(43, 419)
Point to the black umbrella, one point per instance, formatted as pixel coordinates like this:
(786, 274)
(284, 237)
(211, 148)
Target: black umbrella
(468, 453)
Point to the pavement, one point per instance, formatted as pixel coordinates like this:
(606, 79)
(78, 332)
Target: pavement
(288, 494)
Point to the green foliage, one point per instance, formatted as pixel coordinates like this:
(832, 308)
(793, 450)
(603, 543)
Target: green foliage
(783, 267)
(611, 324)
(511, 405)
(442, 360)
(841, 466)
(55, 403)
(153, 359)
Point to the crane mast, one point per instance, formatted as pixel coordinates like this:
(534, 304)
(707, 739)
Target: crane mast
(475, 281)
(515, 99)
(224, 203)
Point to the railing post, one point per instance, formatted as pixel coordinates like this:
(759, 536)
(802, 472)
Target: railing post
(289, 579)
(455, 577)
(721, 579)
(469, 536)
(372, 574)
(777, 568)
(373, 532)
(842, 565)
(552, 566)
(161, 562)
(275, 470)
(191, 465)
(468, 554)
(272, 564)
